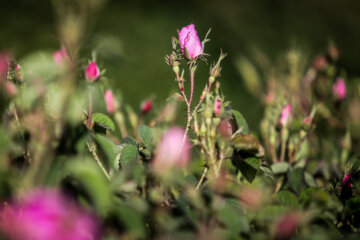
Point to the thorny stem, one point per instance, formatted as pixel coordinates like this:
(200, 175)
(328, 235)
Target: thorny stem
(198, 185)
(98, 161)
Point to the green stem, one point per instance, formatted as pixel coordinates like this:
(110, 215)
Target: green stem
(203, 175)
(98, 161)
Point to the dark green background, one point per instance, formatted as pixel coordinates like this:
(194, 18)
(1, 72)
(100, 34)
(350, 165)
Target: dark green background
(135, 37)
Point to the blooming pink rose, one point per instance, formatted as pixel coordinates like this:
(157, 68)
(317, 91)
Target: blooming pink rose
(92, 72)
(169, 152)
(189, 40)
(146, 106)
(339, 89)
(46, 214)
(286, 116)
(217, 106)
(109, 99)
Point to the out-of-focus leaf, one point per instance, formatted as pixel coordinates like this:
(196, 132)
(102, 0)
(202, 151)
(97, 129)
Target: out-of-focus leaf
(266, 169)
(129, 153)
(287, 198)
(309, 180)
(41, 66)
(250, 76)
(295, 178)
(109, 148)
(145, 134)
(103, 121)
(240, 121)
(132, 219)
(280, 167)
(129, 140)
(248, 144)
(248, 166)
(233, 220)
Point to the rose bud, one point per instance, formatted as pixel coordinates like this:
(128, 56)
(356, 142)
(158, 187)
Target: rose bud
(60, 56)
(109, 99)
(286, 116)
(92, 72)
(169, 152)
(217, 106)
(346, 190)
(10, 89)
(286, 225)
(225, 129)
(308, 122)
(47, 214)
(189, 41)
(339, 89)
(146, 106)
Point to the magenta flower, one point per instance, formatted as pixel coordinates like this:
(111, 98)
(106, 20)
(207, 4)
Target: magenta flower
(346, 190)
(286, 116)
(286, 225)
(3, 64)
(146, 106)
(339, 89)
(109, 99)
(92, 72)
(189, 40)
(170, 152)
(217, 106)
(46, 214)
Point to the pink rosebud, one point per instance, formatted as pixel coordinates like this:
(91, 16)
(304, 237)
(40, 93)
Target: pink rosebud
(60, 56)
(146, 106)
(339, 89)
(286, 225)
(189, 40)
(217, 106)
(308, 121)
(169, 152)
(286, 116)
(109, 98)
(225, 129)
(346, 190)
(92, 72)
(10, 89)
(46, 214)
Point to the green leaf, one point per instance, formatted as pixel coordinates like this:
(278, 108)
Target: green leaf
(248, 144)
(248, 166)
(145, 134)
(309, 180)
(266, 169)
(130, 140)
(240, 121)
(280, 168)
(103, 121)
(128, 154)
(132, 219)
(235, 221)
(295, 178)
(110, 149)
(287, 198)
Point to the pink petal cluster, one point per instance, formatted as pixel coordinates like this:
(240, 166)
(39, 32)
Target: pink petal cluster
(170, 153)
(146, 106)
(339, 89)
(60, 56)
(346, 190)
(109, 99)
(286, 116)
(217, 106)
(46, 214)
(190, 41)
(92, 72)
(3, 64)
(286, 225)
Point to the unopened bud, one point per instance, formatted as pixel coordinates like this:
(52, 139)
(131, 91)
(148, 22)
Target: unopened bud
(146, 106)
(202, 129)
(176, 69)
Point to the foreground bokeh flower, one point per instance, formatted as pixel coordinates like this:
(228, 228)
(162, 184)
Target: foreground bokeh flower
(3, 65)
(47, 214)
(60, 57)
(171, 152)
(339, 89)
(286, 225)
(92, 72)
(286, 116)
(190, 41)
(109, 99)
(146, 106)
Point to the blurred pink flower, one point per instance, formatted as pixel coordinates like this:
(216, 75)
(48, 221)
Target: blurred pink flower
(60, 56)
(109, 98)
(286, 116)
(169, 152)
(286, 225)
(92, 72)
(189, 40)
(217, 106)
(3, 64)
(339, 89)
(46, 214)
(146, 106)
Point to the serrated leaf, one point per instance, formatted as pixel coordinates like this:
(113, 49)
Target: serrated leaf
(128, 154)
(280, 168)
(240, 122)
(266, 169)
(103, 121)
(145, 134)
(129, 140)
(248, 144)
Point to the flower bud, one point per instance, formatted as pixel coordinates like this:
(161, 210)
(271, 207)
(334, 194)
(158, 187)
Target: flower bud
(217, 106)
(286, 226)
(346, 190)
(92, 72)
(339, 89)
(170, 153)
(190, 42)
(146, 106)
(109, 99)
(4, 65)
(286, 116)
(60, 56)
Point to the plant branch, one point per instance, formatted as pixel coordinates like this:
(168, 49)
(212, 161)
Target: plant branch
(203, 175)
(98, 161)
